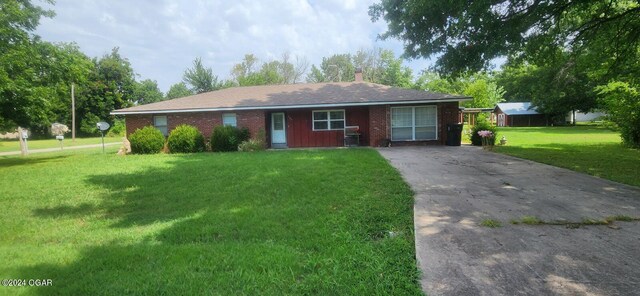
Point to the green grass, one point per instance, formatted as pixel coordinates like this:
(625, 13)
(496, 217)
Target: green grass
(589, 149)
(491, 223)
(270, 223)
(530, 220)
(14, 145)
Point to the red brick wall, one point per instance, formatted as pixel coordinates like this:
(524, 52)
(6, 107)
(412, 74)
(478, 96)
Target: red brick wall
(137, 121)
(204, 121)
(254, 120)
(379, 125)
(448, 113)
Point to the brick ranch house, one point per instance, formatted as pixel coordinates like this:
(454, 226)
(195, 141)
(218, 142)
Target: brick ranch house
(309, 115)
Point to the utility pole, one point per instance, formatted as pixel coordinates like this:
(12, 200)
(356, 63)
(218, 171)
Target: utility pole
(73, 115)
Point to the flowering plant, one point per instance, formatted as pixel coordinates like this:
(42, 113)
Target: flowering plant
(485, 134)
(487, 137)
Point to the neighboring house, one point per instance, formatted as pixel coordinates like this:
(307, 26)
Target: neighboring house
(518, 114)
(309, 115)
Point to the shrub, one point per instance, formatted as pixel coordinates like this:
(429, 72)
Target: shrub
(147, 140)
(481, 125)
(117, 129)
(185, 139)
(252, 145)
(227, 138)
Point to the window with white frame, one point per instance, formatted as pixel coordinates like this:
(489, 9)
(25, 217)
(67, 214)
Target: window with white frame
(229, 119)
(326, 120)
(414, 123)
(160, 122)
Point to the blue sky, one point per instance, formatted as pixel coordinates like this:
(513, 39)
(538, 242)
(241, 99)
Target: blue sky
(161, 38)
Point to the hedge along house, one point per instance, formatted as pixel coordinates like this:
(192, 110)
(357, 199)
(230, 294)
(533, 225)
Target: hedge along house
(518, 114)
(309, 115)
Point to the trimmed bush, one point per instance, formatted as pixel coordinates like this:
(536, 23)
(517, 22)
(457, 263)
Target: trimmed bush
(483, 125)
(227, 138)
(185, 139)
(147, 140)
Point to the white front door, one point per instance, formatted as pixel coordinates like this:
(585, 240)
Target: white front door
(278, 132)
(501, 119)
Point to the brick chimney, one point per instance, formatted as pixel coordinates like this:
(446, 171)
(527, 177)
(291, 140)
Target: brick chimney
(359, 75)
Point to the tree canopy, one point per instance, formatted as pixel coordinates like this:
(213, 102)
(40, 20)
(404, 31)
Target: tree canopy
(200, 78)
(466, 36)
(178, 90)
(284, 71)
(377, 65)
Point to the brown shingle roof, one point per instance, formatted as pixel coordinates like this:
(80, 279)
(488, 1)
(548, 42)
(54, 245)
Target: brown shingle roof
(292, 96)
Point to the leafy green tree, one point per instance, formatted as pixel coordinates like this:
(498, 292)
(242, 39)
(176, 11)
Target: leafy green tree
(378, 66)
(249, 72)
(337, 68)
(555, 89)
(620, 97)
(110, 86)
(178, 90)
(147, 91)
(316, 75)
(392, 72)
(466, 36)
(248, 66)
(23, 86)
(201, 79)
(482, 87)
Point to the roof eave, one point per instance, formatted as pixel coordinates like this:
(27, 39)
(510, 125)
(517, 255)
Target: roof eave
(444, 100)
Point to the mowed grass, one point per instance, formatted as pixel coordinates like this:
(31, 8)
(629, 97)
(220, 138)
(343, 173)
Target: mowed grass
(589, 149)
(320, 222)
(14, 145)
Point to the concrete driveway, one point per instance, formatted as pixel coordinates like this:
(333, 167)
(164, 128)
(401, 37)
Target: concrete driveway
(459, 187)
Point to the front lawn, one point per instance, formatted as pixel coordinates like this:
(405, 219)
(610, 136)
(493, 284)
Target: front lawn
(14, 145)
(589, 149)
(278, 222)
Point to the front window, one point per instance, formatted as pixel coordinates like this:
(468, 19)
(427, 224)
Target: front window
(414, 123)
(229, 119)
(160, 122)
(328, 120)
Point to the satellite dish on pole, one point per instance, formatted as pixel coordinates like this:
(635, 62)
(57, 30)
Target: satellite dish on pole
(102, 126)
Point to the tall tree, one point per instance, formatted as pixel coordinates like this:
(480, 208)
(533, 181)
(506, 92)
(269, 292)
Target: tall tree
(315, 75)
(22, 93)
(110, 86)
(147, 91)
(249, 72)
(468, 35)
(178, 90)
(200, 78)
(337, 68)
(378, 66)
(555, 89)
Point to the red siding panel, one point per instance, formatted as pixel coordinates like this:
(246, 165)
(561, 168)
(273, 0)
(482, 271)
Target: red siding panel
(300, 131)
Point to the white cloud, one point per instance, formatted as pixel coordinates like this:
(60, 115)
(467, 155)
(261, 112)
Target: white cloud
(161, 38)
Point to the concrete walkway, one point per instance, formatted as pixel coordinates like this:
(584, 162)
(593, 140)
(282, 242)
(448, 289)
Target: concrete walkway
(459, 187)
(58, 149)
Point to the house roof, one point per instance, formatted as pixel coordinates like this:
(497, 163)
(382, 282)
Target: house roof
(517, 108)
(314, 95)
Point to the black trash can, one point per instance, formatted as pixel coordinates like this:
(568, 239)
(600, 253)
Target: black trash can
(454, 134)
